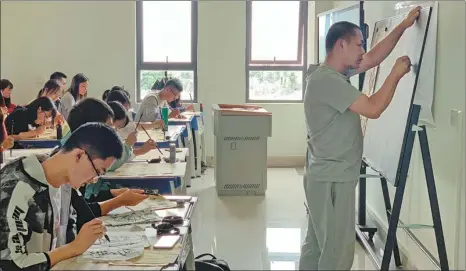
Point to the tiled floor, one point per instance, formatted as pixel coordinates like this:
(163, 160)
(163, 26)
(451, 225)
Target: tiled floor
(256, 233)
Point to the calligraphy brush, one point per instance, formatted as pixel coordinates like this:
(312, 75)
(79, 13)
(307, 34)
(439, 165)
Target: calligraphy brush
(12, 129)
(84, 203)
(139, 121)
(151, 139)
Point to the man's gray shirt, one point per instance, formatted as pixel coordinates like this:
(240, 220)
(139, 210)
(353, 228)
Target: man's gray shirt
(335, 141)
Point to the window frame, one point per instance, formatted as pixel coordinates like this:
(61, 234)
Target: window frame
(141, 65)
(278, 65)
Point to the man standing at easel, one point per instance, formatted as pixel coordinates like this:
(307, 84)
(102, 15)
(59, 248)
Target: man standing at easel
(335, 142)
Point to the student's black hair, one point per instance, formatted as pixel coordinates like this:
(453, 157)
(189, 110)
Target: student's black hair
(108, 91)
(98, 140)
(58, 75)
(89, 110)
(2, 101)
(51, 86)
(339, 30)
(74, 87)
(5, 83)
(44, 103)
(118, 110)
(118, 96)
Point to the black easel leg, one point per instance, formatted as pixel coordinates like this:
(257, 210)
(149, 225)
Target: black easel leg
(388, 210)
(362, 197)
(434, 206)
(362, 222)
(393, 225)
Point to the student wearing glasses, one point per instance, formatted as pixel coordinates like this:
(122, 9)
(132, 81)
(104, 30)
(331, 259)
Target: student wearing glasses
(156, 99)
(30, 121)
(36, 197)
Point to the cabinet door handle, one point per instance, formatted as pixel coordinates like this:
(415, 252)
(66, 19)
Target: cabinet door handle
(233, 146)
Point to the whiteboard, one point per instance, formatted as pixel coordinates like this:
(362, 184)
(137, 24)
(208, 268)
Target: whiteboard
(325, 20)
(384, 138)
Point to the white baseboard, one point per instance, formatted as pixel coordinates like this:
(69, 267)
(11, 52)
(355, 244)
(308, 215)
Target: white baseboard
(273, 161)
(382, 230)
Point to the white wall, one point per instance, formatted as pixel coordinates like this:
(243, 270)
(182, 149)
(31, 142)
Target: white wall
(73, 36)
(444, 141)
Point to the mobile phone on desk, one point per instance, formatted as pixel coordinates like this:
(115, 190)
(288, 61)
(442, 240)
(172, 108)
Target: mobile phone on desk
(167, 241)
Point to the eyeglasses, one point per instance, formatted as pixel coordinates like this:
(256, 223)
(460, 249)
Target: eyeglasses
(175, 93)
(98, 174)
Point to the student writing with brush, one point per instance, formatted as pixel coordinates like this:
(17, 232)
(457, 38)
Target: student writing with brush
(35, 205)
(30, 121)
(86, 111)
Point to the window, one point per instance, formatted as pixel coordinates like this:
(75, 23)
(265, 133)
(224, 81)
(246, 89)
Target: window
(276, 42)
(167, 41)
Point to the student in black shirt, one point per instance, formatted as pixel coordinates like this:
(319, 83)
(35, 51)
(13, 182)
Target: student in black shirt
(30, 121)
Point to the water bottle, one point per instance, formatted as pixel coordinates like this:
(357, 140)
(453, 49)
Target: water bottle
(59, 132)
(172, 152)
(165, 117)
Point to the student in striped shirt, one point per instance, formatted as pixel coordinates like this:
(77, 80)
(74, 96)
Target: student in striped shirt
(36, 199)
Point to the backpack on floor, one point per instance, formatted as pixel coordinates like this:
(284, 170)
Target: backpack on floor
(212, 264)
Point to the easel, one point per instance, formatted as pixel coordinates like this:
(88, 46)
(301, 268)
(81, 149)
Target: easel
(393, 214)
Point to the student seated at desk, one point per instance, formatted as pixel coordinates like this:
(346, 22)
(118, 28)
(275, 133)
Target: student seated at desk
(61, 78)
(30, 121)
(37, 192)
(76, 92)
(120, 121)
(5, 88)
(52, 89)
(156, 99)
(126, 128)
(95, 110)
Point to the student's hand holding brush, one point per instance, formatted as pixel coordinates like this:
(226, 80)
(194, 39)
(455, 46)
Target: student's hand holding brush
(132, 138)
(148, 146)
(89, 233)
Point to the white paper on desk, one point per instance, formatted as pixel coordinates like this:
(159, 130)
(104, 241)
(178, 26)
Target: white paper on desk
(123, 246)
(426, 80)
(129, 218)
